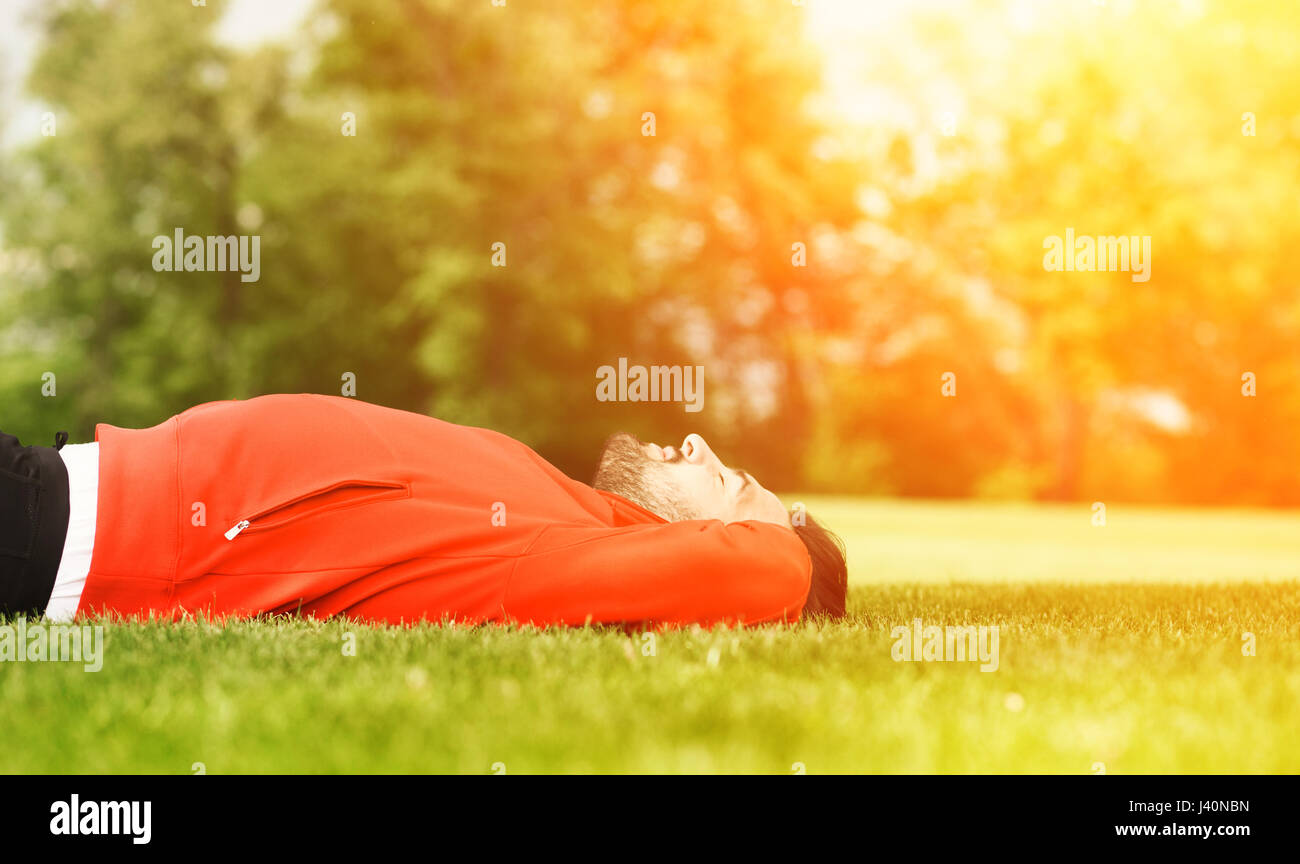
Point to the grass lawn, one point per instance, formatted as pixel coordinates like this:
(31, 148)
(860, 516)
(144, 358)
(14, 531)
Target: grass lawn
(1119, 645)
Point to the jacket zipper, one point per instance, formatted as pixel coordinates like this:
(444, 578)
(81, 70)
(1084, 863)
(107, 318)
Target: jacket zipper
(374, 490)
(237, 529)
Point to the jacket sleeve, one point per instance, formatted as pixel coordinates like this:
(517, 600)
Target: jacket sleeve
(701, 571)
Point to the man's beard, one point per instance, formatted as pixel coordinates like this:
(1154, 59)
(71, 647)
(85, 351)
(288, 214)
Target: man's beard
(626, 470)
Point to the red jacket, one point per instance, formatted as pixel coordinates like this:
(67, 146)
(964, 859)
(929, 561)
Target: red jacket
(323, 505)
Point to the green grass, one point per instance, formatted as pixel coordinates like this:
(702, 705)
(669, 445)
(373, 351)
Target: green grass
(1118, 644)
(912, 542)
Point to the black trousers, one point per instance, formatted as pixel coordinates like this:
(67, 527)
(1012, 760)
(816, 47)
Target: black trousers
(33, 523)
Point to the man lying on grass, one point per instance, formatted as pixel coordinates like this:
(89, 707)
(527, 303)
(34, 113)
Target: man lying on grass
(321, 505)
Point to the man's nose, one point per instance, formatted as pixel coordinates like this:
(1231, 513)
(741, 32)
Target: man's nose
(697, 450)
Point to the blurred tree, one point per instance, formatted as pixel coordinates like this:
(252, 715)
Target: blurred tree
(1086, 385)
(140, 147)
(523, 125)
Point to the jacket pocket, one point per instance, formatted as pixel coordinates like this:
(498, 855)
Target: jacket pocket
(347, 493)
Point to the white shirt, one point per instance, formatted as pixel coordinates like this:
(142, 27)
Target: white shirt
(82, 461)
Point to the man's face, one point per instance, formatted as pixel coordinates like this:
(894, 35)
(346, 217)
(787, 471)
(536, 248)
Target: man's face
(684, 482)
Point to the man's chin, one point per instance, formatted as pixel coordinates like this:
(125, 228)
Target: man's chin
(622, 462)
(626, 469)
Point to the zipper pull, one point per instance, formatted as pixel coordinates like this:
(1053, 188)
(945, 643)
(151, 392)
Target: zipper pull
(234, 532)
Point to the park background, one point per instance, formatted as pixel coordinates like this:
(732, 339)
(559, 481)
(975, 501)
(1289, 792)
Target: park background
(921, 151)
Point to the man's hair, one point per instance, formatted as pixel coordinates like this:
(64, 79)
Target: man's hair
(830, 570)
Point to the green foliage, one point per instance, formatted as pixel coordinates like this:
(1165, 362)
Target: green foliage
(522, 125)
